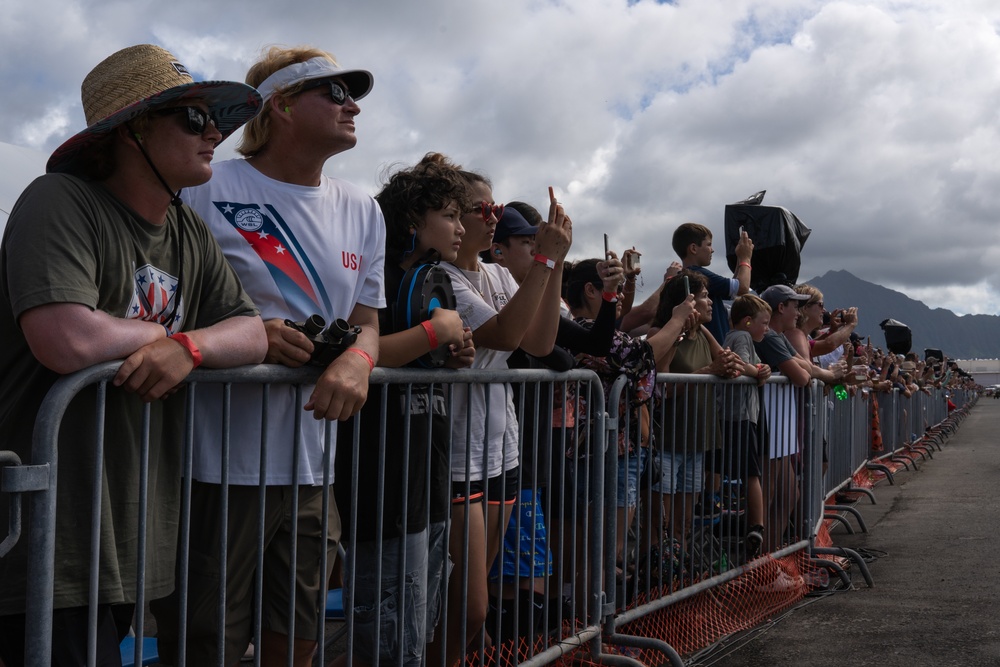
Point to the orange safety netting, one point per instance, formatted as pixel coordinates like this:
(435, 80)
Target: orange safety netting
(768, 587)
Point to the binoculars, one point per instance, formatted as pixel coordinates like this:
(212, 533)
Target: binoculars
(328, 342)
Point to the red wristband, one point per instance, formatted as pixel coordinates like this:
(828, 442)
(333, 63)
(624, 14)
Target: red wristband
(610, 297)
(432, 338)
(542, 259)
(364, 355)
(189, 345)
(746, 264)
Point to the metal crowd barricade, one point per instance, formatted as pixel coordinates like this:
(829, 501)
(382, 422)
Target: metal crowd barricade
(847, 452)
(686, 540)
(607, 580)
(570, 626)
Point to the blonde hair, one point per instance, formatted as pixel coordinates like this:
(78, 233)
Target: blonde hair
(257, 133)
(747, 305)
(814, 296)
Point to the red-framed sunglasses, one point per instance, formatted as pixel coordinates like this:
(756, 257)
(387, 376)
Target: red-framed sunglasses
(486, 209)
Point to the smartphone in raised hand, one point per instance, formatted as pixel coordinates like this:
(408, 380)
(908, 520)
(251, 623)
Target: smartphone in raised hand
(631, 260)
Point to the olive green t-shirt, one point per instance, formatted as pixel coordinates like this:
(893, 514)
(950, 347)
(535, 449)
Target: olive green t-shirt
(69, 241)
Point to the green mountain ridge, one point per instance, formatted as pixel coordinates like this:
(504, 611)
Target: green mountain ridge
(958, 336)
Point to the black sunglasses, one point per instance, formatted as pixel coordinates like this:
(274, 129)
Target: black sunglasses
(197, 120)
(338, 91)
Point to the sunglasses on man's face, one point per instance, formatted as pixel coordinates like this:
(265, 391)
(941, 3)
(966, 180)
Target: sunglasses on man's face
(338, 91)
(486, 209)
(197, 120)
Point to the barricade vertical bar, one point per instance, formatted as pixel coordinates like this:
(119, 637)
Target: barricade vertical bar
(293, 547)
(140, 560)
(401, 569)
(95, 525)
(183, 564)
(325, 532)
(351, 564)
(220, 625)
(258, 579)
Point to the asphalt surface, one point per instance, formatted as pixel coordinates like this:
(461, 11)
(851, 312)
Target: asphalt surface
(937, 583)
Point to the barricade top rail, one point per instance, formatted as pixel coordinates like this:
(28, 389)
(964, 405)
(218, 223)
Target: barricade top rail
(54, 406)
(706, 378)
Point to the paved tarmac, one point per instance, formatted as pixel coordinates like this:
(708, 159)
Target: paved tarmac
(937, 588)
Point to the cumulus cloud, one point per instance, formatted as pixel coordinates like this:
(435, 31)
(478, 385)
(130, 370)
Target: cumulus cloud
(874, 121)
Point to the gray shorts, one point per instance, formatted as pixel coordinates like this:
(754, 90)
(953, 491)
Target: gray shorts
(396, 615)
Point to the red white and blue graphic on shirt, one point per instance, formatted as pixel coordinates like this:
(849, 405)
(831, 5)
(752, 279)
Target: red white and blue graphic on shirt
(155, 298)
(286, 261)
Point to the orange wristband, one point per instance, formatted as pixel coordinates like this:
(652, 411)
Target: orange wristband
(364, 355)
(432, 338)
(189, 345)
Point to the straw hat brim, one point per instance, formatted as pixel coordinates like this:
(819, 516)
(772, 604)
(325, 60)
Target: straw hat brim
(231, 104)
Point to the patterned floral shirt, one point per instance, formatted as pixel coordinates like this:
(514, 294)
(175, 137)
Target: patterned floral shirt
(634, 358)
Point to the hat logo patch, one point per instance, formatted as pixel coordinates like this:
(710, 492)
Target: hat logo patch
(183, 71)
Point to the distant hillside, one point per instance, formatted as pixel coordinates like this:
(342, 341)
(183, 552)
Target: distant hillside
(959, 337)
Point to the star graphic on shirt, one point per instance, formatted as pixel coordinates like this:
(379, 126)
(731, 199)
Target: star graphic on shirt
(227, 209)
(280, 249)
(262, 234)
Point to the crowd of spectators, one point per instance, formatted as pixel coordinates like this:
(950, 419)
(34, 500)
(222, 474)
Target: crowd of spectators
(282, 241)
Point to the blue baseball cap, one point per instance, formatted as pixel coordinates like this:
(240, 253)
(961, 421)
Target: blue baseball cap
(512, 223)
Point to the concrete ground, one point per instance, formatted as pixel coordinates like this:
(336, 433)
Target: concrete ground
(937, 587)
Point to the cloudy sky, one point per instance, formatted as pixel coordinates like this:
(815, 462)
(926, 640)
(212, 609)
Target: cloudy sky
(875, 122)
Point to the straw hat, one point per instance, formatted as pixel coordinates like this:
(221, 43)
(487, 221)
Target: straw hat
(132, 81)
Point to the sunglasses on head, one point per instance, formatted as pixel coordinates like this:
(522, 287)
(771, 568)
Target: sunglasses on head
(486, 209)
(338, 91)
(197, 120)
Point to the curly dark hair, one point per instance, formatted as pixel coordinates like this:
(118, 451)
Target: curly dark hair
(429, 185)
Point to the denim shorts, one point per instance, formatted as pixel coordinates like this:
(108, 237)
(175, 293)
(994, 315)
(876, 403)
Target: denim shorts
(628, 476)
(382, 607)
(438, 570)
(680, 473)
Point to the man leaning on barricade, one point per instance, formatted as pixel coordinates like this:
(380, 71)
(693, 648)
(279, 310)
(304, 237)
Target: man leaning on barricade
(102, 261)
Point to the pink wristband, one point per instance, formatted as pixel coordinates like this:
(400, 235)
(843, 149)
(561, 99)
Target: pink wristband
(189, 345)
(432, 338)
(364, 355)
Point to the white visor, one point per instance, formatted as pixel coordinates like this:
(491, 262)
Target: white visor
(359, 81)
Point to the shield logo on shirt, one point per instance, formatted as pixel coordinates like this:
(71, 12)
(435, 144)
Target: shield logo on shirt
(155, 297)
